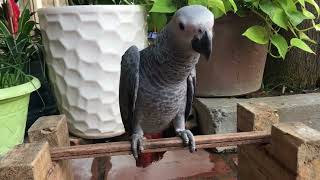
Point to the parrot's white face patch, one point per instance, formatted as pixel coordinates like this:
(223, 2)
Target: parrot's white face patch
(193, 20)
(195, 15)
(189, 24)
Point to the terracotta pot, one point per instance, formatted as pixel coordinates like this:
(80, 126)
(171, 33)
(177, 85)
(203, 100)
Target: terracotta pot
(236, 66)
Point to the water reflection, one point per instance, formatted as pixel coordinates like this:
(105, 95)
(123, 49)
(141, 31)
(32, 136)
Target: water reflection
(174, 165)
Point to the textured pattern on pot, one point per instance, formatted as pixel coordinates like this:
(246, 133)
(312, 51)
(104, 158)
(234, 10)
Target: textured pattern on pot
(84, 46)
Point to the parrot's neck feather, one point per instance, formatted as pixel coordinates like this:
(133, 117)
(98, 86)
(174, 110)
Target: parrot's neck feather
(164, 45)
(175, 66)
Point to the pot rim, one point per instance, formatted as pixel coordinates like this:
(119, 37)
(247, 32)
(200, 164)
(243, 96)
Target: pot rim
(89, 8)
(20, 90)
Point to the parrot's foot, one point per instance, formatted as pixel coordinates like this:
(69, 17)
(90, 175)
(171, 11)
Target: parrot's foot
(136, 145)
(188, 139)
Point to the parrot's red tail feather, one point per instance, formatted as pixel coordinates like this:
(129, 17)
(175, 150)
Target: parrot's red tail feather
(147, 159)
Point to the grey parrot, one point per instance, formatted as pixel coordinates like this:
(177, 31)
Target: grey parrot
(157, 84)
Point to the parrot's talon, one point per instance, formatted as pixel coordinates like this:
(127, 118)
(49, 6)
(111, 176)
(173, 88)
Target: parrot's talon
(188, 139)
(136, 145)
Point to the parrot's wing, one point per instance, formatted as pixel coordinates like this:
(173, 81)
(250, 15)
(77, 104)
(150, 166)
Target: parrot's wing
(191, 85)
(129, 84)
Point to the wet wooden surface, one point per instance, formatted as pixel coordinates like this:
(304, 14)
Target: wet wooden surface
(178, 165)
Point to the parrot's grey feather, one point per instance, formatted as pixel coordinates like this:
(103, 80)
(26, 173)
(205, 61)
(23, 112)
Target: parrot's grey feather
(157, 84)
(191, 85)
(129, 85)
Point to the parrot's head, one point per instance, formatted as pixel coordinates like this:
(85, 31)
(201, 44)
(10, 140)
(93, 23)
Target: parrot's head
(191, 27)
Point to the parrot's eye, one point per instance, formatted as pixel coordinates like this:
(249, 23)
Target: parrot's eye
(181, 26)
(200, 31)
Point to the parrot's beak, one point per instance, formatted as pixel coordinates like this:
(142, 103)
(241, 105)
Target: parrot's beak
(202, 45)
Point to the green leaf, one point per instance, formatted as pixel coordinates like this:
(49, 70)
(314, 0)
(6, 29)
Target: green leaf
(291, 4)
(158, 21)
(302, 2)
(296, 17)
(267, 7)
(27, 28)
(24, 18)
(228, 7)
(234, 5)
(21, 42)
(276, 14)
(287, 5)
(198, 2)
(301, 45)
(4, 30)
(279, 18)
(217, 4)
(308, 14)
(304, 36)
(315, 5)
(257, 34)
(316, 27)
(281, 44)
(255, 3)
(11, 45)
(163, 6)
(217, 12)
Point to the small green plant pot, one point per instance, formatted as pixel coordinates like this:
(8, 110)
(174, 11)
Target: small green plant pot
(14, 102)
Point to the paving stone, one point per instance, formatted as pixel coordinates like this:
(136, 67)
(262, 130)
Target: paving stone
(219, 115)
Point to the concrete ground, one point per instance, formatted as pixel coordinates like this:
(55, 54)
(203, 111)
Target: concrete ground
(175, 165)
(218, 115)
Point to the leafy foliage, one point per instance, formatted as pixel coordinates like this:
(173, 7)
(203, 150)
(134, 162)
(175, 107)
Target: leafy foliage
(284, 15)
(276, 15)
(17, 49)
(257, 34)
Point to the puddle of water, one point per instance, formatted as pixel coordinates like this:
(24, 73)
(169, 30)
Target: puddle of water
(174, 165)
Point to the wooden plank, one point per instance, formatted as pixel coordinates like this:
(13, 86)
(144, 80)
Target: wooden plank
(54, 130)
(254, 116)
(297, 147)
(26, 162)
(159, 145)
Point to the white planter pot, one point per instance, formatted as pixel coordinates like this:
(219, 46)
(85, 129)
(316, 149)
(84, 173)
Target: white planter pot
(83, 46)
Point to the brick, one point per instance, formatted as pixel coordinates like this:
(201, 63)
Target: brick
(255, 117)
(54, 130)
(297, 147)
(26, 162)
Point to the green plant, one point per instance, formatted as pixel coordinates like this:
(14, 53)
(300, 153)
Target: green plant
(282, 15)
(19, 42)
(276, 16)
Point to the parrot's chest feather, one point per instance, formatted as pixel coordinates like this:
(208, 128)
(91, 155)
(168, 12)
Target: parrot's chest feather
(159, 106)
(162, 90)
